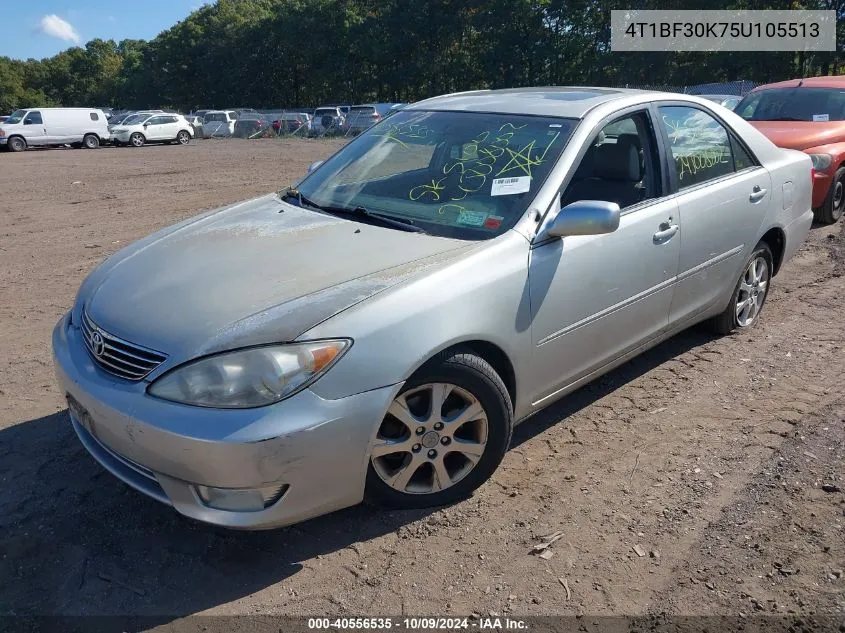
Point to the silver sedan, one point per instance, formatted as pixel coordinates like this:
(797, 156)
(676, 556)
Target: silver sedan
(378, 329)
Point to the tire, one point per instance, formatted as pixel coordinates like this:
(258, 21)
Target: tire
(183, 137)
(137, 139)
(91, 141)
(753, 284)
(16, 144)
(412, 457)
(834, 203)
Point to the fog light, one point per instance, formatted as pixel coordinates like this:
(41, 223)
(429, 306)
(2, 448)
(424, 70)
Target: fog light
(241, 499)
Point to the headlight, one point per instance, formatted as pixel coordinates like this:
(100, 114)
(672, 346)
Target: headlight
(821, 161)
(252, 377)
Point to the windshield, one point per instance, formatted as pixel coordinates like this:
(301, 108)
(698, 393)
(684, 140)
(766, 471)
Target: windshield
(455, 174)
(135, 119)
(16, 116)
(794, 104)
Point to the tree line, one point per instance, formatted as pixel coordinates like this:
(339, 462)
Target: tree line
(291, 53)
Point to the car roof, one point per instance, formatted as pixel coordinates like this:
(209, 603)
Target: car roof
(808, 82)
(570, 102)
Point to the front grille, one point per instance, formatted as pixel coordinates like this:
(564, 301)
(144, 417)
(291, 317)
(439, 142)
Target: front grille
(116, 356)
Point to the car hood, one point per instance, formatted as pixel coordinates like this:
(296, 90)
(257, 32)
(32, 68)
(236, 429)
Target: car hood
(261, 271)
(801, 134)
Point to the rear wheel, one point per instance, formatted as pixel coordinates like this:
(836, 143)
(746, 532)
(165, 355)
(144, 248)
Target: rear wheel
(443, 436)
(137, 139)
(16, 144)
(750, 293)
(183, 137)
(834, 203)
(91, 141)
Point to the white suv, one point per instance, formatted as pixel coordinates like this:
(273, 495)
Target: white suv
(162, 127)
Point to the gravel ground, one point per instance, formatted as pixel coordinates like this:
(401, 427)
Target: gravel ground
(702, 478)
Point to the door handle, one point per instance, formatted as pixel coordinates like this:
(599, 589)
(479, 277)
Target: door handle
(757, 194)
(667, 230)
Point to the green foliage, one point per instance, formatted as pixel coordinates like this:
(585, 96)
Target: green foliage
(274, 53)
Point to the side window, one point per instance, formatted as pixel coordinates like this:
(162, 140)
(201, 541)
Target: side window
(742, 159)
(619, 165)
(156, 120)
(168, 119)
(700, 149)
(33, 118)
(95, 116)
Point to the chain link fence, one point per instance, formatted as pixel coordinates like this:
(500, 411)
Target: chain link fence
(738, 88)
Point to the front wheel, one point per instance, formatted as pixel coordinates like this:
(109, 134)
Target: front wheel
(834, 203)
(443, 436)
(183, 137)
(750, 293)
(91, 141)
(137, 139)
(16, 144)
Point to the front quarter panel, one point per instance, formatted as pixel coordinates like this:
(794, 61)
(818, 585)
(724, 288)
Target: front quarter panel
(482, 296)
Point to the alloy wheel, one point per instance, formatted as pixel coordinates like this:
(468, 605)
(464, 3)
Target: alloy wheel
(183, 138)
(137, 140)
(752, 291)
(431, 438)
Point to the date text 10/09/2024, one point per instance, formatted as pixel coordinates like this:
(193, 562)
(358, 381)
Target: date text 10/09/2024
(417, 624)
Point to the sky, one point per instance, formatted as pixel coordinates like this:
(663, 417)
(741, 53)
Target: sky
(45, 27)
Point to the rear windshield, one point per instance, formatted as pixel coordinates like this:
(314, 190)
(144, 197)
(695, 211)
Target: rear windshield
(325, 111)
(794, 104)
(362, 110)
(215, 116)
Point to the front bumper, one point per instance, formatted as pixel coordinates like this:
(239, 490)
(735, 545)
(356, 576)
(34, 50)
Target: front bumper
(317, 448)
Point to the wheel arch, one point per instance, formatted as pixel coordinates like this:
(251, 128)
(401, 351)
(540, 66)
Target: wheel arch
(490, 352)
(775, 239)
(20, 136)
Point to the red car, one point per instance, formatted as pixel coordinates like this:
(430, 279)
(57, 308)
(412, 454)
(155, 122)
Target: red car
(809, 115)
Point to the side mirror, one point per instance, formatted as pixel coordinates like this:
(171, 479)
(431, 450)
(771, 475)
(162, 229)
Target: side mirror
(586, 217)
(314, 165)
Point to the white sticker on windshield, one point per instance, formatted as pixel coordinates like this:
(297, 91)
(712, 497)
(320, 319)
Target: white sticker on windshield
(818, 118)
(510, 186)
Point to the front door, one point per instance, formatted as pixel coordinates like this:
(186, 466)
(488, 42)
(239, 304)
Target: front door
(154, 129)
(595, 297)
(34, 131)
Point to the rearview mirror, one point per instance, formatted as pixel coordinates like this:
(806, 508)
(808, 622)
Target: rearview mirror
(314, 165)
(586, 217)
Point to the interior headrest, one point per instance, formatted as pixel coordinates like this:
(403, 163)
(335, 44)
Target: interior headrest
(617, 161)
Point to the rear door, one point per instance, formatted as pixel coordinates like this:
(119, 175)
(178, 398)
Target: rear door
(34, 130)
(722, 196)
(170, 127)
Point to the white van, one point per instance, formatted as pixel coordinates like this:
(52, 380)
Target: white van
(37, 127)
(218, 123)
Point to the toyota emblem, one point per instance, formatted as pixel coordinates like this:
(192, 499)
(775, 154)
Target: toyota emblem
(98, 345)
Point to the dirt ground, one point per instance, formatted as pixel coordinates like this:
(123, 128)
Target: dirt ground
(705, 477)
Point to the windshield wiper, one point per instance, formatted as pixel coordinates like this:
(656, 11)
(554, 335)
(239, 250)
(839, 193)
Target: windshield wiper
(290, 192)
(404, 225)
